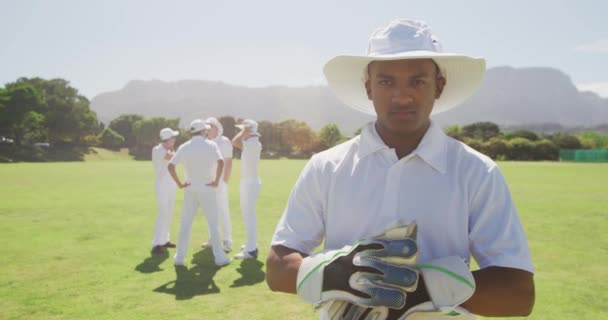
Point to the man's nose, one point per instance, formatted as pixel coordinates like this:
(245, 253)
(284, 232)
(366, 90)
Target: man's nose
(401, 96)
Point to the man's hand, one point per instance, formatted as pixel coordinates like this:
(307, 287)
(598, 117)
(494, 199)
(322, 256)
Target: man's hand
(444, 284)
(374, 272)
(183, 185)
(213, 184)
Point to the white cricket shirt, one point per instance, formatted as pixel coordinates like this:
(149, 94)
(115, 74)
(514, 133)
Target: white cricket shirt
(360, 188)
(161, 173)
(250, 159)
(225, 146)
(198, 155)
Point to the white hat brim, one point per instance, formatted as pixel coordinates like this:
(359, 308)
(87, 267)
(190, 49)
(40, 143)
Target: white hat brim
(464, 74)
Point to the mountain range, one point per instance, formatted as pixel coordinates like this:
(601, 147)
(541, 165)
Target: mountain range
(508, 96)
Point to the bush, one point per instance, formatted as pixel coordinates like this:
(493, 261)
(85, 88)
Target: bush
(110, 139)
(474, 143)
(495, 148)
(522, 134)
(520, 149)
(566, 141)
(546, 150)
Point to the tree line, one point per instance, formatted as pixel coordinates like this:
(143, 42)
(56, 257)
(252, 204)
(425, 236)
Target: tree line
(48, 120)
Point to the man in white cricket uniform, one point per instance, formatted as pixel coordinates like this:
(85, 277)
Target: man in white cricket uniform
(248, 140)
(403, 169)
(165, 189)
(199, 156)
(215, 134)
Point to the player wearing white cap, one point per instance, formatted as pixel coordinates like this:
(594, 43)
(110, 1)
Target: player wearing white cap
(164, 188)
(215, 134)
(199, 156)
(248, 141)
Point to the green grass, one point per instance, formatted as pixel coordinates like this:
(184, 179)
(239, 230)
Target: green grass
(75, 241)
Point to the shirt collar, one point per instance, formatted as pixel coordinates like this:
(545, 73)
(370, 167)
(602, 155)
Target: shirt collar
(431, 149)
(198, 137)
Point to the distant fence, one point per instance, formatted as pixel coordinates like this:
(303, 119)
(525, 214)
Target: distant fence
(596, 155)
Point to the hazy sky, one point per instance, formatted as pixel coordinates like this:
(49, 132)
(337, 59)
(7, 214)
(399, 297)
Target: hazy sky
(101, 45)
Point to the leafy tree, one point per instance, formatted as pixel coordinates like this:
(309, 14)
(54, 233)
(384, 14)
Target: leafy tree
(110, 139)
(594, 140)
(298, 138)
(228, 123)
(146, 130)
(455, 131)
(545, 150)
(481, 130)
(495, 148)
(123, 125)
(522, 134)
(520, 149)
(67, 114)
(271, 139)
(567, 141)
(330, 135)
(21, 112)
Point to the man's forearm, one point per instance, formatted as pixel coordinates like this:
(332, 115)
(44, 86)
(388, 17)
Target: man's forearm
(502, 292)
(173, 173)
(237, 141)
(219, 170)
(282, 269)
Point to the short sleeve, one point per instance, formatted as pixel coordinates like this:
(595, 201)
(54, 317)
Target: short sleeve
(226, 148)
(218, 154)
(302, 225)
(496, 236)
(179, 155)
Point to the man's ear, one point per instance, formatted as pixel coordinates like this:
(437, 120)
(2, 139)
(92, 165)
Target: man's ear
(368, 89)
(439, 85)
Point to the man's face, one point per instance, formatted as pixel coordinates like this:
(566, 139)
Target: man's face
(212, 132)
(169, 143)
(403, 93)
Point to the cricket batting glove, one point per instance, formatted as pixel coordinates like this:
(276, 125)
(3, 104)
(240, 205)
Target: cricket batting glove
(449, 283)
(374, 272)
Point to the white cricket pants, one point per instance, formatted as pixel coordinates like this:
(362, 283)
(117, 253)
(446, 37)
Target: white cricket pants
(196, 197)
(165, 200)
(224, 211)
(250, 190)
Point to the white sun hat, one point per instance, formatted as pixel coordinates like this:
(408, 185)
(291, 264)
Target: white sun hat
(216, 123)
(404, 39)
(167, 133)
(198, 125)
(251, 123)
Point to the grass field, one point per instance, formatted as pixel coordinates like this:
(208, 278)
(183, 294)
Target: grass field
(75, 244)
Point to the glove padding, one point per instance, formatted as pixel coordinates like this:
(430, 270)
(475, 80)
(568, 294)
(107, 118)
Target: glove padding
(449, 283)
(374, 272)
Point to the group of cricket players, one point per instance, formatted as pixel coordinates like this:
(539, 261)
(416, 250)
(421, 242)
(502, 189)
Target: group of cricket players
(207, 162)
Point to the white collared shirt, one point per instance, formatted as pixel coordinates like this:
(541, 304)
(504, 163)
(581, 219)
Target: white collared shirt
(457, 196)
(250, 158)
(161, 173)
(199, 156)
(225, 146)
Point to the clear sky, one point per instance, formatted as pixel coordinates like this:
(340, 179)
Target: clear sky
(100, 45)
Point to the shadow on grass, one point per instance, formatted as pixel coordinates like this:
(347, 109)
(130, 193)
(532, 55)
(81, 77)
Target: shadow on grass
(196, 281)
(251, 273)
(152, 263)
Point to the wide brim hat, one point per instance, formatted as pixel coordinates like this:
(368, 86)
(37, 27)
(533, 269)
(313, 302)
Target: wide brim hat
(251, 123)
(400, 40)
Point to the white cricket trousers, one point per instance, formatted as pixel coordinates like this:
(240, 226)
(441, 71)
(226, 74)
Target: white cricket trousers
(196, 197)
(250, 190)
(165, 200)
(224, 211)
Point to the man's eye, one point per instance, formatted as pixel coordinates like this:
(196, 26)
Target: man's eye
(418, 83)
(385, 82)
